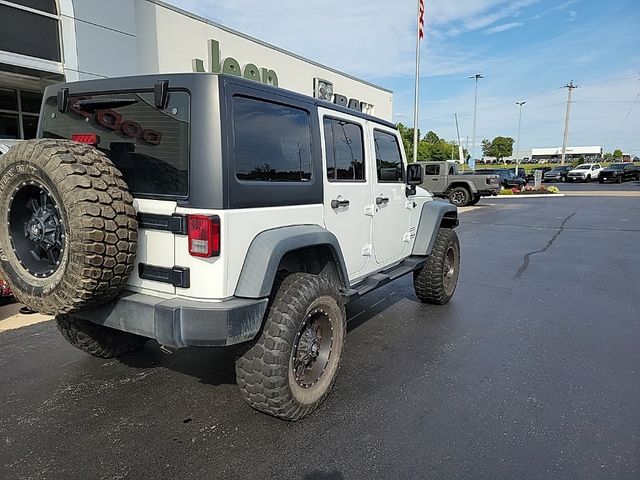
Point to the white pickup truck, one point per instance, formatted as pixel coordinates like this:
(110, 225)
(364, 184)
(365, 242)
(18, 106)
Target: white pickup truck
(585, 172)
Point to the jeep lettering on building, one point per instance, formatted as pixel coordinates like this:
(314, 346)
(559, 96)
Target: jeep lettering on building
(231, 66)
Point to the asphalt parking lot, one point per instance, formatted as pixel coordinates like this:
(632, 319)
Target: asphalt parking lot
(532, 371)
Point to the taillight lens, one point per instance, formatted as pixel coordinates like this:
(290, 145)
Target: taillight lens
(88, 138)
(204, 235)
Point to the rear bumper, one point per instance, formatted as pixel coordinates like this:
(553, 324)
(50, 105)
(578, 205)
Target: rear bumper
(181, 323)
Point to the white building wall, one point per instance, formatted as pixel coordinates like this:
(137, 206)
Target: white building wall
(132, 37)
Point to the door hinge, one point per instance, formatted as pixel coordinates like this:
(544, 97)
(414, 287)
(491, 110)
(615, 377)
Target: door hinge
(410, 204)
(369, 210)
(367, 250)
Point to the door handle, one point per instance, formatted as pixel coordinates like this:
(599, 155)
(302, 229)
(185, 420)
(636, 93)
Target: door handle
(339, 203)
(381, 200)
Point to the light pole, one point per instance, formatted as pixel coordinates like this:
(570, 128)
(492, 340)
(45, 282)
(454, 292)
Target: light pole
(519, 125)
(477, 77)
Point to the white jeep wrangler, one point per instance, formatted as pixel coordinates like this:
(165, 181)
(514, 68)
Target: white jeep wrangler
(210, 210)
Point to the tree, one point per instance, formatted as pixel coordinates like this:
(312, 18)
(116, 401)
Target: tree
(431, 137)
(407, 140)
(499, 148)
(431, 147)
(617, 153)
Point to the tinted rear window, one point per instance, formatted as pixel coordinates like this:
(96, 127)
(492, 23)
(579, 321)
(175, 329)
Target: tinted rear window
(148, 145)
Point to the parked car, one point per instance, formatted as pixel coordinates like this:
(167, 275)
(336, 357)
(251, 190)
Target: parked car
(557, 174)
(521, 173)
(507, 177)
(531, 175)
(262, 244)
(443, 180)
(619, 172)
(585, 172)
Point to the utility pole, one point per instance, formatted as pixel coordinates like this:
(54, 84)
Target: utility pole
(570, 86)
(519, 125)
(477, 77)
(461, 159)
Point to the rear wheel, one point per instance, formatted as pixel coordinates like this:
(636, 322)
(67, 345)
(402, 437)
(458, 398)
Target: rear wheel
(98, 340)
(290, 369)
(436, 281)
(459, 196)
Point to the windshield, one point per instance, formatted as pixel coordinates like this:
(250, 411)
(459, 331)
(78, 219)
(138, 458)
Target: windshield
(616, 166)
(149, 146)
(585, 166)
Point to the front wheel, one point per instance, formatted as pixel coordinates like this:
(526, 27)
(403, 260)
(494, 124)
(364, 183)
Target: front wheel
(290, 369)
(459, 196)
(588, 180)
(601, 180)
(435, 282)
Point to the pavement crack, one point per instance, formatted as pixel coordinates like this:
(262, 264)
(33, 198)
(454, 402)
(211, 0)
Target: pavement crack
(527, 256)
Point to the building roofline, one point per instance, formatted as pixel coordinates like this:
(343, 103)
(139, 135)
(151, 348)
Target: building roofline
(264, 44)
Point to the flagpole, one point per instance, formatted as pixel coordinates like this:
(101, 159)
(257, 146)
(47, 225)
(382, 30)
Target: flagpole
(417, 89)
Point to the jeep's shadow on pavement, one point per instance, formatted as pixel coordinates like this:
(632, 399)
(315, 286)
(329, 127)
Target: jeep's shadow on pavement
(211, 366)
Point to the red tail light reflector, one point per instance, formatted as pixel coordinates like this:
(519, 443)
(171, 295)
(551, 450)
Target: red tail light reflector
(88, 138)
(204, 235)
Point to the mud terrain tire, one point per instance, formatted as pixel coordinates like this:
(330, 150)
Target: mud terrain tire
(98, 340)
(69, 234)
(436, 281)
(266, 371)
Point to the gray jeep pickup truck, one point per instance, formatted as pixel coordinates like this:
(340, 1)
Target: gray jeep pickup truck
(442, 179)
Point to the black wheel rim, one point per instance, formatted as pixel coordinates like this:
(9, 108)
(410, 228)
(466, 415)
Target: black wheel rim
(312, 348)
(449, 274)
(36, 229)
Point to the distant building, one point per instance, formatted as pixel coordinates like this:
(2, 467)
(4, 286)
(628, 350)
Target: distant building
(571, 153)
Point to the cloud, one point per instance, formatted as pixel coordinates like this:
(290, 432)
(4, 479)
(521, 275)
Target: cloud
(503, 28)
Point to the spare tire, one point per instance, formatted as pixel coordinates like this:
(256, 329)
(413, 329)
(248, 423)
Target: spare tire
(69, 236)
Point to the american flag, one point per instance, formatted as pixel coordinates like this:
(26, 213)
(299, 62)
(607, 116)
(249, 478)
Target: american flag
(421, 20)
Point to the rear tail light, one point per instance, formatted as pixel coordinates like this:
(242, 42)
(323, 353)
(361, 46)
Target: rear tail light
(88, 138)
(204, 235)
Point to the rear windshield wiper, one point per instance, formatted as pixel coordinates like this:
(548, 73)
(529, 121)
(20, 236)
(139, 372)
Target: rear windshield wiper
(93, 104)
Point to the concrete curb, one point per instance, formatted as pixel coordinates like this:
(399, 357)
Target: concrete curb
(531, 195)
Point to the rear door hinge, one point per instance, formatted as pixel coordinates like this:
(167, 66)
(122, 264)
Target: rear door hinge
(367, 250)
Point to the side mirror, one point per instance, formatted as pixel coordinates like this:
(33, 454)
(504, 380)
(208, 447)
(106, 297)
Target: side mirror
(415, 174)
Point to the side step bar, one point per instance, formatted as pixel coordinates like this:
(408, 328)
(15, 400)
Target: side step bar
(379, 279)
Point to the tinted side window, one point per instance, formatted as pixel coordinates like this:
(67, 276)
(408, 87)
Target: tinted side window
(272, 141)
(432, 169)
(344, 149)
(388, 160)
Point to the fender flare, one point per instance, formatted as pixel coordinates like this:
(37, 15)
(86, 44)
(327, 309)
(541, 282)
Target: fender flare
(463, 183)
(434, 215)
(269, 247)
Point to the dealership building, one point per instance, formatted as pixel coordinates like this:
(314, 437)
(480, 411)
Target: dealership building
(587, 153)
(48, 41)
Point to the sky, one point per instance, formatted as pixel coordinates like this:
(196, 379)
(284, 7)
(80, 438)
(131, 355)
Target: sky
(527, 50)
